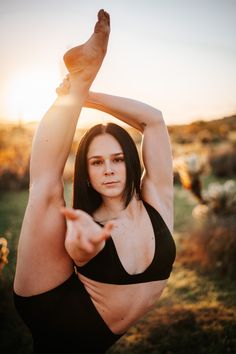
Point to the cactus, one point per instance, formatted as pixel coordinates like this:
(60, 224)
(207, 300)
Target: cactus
(4, 251)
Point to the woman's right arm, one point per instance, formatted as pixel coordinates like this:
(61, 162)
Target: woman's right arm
(54, 135)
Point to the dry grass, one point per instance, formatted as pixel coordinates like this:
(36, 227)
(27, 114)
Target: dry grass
(197, 311)
(193, 316)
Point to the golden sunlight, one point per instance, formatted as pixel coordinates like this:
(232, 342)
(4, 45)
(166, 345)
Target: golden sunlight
(29, 96)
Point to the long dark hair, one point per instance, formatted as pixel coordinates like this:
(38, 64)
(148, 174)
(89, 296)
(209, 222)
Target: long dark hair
(84, 196)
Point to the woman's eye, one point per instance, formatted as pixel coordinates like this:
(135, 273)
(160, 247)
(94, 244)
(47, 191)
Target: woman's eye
(118, 159)
(96, 162)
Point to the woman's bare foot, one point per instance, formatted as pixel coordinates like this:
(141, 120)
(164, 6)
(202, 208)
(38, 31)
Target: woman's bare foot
(88, 57)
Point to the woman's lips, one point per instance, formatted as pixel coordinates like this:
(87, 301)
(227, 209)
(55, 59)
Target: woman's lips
(110, 183)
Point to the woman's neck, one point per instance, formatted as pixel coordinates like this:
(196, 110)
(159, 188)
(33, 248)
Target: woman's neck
(113, 209)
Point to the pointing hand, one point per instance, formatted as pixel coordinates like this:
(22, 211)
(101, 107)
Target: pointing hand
(84, 237)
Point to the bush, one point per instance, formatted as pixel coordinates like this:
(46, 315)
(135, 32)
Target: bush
(223, 164)
(215, 246)
(11, 180)
(212, 240)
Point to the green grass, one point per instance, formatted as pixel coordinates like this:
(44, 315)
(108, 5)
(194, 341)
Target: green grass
(14, 336)
(12, 206)
(196, 313)
(184, 203)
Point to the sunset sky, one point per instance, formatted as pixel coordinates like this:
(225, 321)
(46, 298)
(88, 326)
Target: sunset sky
(177, 55)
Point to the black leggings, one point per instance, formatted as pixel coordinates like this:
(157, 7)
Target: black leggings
(65, 320)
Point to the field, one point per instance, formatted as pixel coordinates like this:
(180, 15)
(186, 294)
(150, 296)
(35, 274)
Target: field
(196, 313)
(197, 310)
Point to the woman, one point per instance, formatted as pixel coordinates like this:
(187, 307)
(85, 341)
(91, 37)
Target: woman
(118, 235)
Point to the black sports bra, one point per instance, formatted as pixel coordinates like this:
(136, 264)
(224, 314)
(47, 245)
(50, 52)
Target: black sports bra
(106, 266)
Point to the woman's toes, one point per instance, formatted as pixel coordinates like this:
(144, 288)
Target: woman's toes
(103, 22)
(100, 14)
(107, 17)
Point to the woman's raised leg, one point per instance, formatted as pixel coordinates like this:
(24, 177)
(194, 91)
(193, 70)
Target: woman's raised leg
(42, 261)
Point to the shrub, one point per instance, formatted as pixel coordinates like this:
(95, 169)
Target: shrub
(215, 246)
(213, 238)
(12, 180)
(223, 164)
(3, 253)
(187, 171)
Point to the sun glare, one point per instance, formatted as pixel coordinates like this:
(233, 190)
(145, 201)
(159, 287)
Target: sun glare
(29, 96)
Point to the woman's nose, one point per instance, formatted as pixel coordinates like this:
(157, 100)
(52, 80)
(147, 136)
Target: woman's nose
(108, 170)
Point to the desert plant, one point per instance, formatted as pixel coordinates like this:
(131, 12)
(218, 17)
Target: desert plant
(4, 251)
(189, 169)
(223, 164)
(214, 234)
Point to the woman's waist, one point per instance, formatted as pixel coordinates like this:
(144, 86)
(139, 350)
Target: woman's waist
(120, 306)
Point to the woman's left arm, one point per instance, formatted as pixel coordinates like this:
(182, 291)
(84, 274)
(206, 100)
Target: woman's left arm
(157, 179)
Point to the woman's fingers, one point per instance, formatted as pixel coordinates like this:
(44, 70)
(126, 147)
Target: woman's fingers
(70, 213)
(105, 233)
(86, 232)
(107, 229)
(64, 87)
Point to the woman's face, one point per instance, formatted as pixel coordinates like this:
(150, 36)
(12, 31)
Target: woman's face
(106, 166)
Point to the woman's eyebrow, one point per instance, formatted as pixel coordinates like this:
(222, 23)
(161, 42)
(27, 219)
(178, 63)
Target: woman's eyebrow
(100, 156)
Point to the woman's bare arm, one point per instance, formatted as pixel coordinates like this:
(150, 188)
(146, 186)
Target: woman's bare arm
(133, 112)
(157, 180)
(54, 135)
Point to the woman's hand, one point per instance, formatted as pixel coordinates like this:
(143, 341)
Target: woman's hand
(64, 87)
(84, 237)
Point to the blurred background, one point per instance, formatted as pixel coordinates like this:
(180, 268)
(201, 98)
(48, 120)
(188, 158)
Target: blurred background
(178, 56)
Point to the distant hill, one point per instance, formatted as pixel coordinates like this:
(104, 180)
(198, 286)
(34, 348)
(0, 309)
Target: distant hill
(214, 124)
(216, 127)
(16, 144)
(204, 131)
